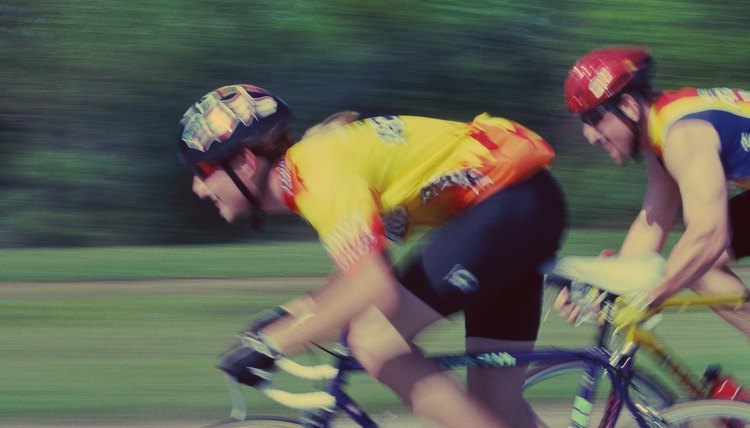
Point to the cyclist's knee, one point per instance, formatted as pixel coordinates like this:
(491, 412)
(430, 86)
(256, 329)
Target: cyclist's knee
(374, 341)
(718, 280)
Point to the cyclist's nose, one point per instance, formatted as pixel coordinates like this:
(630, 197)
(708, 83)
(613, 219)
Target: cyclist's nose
(199, 188)
(591, 134)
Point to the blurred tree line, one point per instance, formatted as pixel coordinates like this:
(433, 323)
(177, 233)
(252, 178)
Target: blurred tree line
(92, 92)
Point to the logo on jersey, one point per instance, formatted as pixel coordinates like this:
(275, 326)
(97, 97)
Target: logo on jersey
(351, 238)
(468, 179)
(722, 95)
(745, 141)
(390, 130)
(396, 223)
(462, 279)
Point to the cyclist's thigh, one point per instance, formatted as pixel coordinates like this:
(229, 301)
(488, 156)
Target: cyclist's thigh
(512, 313)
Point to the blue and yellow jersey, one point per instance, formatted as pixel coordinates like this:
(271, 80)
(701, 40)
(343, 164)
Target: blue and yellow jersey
(727, 110)
(371, 180)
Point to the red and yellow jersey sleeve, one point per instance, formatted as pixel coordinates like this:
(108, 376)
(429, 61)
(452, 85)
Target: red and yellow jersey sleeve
(338, 203)
(689, 103)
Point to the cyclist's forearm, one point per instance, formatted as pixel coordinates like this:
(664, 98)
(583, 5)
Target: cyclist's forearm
(330, 309)
(692, 256)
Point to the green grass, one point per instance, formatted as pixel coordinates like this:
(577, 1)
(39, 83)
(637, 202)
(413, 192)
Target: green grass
(118, 263)
(267, 259)
(146, 350)
(87, 354)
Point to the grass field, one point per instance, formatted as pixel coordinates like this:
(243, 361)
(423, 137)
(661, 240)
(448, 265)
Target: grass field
(259, 259)
(133, 333)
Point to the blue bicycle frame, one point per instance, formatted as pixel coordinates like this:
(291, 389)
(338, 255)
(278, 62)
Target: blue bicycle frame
(596, 360)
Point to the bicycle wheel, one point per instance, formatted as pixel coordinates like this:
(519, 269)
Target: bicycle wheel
(258, 422)
(551, 388)
(705, 414)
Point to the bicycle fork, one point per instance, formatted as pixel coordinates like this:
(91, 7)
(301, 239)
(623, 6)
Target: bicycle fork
(580, 415)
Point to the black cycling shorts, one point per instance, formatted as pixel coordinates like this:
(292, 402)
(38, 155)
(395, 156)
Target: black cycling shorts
(739, 214)
(485, 261)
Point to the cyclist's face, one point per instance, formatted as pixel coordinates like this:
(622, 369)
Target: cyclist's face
(221, 190)
(225, 195)
(615, 137)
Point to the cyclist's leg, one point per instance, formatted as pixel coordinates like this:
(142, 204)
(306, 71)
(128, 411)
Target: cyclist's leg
(721, 280)
(383, 346)
(485, 262)
(501, 325)
(500, 388)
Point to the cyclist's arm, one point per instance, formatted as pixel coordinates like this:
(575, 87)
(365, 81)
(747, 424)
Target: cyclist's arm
(369, 282)
(661, 202)
(338, 203)
(647, 233)
(692, 156)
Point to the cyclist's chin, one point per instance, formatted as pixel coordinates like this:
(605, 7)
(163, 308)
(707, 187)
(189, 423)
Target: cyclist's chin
(618, 158)
(231, 215)
(621, 160)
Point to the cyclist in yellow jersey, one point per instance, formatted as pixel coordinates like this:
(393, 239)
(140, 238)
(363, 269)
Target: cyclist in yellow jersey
(696, 143)
(360, 183)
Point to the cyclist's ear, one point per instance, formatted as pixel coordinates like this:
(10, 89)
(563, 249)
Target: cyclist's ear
(630, 107)
(244, 159)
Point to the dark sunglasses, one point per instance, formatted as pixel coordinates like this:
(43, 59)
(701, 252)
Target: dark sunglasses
(595, 115)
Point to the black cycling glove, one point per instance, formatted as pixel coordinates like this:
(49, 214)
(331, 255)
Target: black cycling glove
(251, 361)
(249, 364)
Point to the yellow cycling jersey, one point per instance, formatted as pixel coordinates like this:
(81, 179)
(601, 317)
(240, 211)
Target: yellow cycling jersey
(371, 180)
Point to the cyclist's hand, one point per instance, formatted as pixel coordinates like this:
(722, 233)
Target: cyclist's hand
(608, 252)
(250, 363)
(579, 303)
(567, 309)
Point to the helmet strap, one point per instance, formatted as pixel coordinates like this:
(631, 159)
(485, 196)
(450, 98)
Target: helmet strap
(634, 127)
(256, 212)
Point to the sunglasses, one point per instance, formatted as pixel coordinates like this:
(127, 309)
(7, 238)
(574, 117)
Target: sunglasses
(204, 169)
(595, 115)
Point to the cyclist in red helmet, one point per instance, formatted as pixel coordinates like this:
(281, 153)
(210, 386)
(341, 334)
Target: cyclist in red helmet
(360, 183)
(696, 145)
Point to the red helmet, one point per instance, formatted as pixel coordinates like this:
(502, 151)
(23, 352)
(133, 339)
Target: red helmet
(601, 74)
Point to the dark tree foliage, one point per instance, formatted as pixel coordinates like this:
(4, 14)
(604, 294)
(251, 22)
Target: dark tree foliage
(92, 92)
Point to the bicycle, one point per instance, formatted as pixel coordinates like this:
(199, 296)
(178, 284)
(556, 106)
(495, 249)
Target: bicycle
(639, 336)
(319, 408)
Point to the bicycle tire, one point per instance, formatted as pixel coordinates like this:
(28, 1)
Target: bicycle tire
(705, 414)
(258, 422)
(644, 388)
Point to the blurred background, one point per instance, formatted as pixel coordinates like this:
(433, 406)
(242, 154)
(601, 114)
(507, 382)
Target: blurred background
(92, 92)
